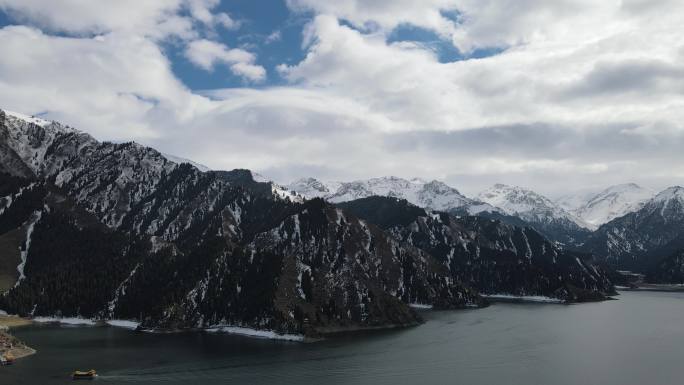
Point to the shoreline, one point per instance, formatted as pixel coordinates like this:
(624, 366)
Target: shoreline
(510, 298)
(10, 344)
(664, 288)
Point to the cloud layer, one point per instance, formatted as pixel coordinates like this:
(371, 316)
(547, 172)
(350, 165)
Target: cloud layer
(580, 94)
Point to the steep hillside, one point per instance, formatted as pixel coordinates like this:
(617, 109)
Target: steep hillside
(488, 254)
(119, 231)
(641, 239)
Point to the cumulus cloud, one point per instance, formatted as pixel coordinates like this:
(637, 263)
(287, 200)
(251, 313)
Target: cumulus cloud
(206, 54)
(202, 11)
(583, 94)
(113, 83)
(93, 17)
(386, 15)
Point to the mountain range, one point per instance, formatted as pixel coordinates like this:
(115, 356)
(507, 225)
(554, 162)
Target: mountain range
(433, 195)
(626, 226)
(119, 230)
(488, 254)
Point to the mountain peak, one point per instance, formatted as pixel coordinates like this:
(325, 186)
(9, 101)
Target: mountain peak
(435, 195)
(674, 192)
(27, 118)
(670, 200)
(613, 202)
(528, 205)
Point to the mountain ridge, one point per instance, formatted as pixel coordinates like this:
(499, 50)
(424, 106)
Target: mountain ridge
(490, 255)
(191, 249)
(640, 239)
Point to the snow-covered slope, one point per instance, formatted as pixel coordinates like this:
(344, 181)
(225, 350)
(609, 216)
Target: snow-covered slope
(311, 188)
(574, 200)
(669, 203)
(540, 212)
(434, 195)
(179, 160)
(613, 202)
(526, 204)
(114, 230)
(27, 119)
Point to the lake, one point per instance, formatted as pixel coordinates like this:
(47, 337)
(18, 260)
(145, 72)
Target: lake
(638, 339)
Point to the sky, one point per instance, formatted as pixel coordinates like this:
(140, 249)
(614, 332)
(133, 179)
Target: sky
(557, 96)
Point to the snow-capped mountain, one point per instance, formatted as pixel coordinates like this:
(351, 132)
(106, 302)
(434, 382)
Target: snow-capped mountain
(526, 204)
(28, 119)
(639, 239)
(546, 216)
(310, 188)
(434, 195)
(612, 203)
(117, 230)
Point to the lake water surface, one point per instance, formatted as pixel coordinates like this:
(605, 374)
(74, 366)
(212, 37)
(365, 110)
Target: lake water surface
(638, 339)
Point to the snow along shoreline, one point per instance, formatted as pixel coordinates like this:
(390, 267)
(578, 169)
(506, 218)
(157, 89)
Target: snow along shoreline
(78, 321)
(249, 332)
(133, 325)
(521, 298)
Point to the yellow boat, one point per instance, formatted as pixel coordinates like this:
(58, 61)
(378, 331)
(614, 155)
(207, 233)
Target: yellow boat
(79, 375)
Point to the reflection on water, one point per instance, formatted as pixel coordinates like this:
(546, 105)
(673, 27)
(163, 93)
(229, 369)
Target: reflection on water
(636, 340)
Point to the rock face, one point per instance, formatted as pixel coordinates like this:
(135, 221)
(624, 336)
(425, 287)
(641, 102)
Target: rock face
(639, 240)
(119, 231)
(539, 212)
(434, 195)
(490, 255)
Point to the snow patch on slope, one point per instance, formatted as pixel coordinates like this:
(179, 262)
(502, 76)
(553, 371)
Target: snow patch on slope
(24, 253)
(29, 119)
(179, 160)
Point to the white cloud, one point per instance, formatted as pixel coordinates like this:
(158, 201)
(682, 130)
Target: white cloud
(385, 15)
(273, 37)
(202, 11)
(114, 84)
(87, 16)
(206, 54)
(158, 19)
(587, 93)
(572, 65)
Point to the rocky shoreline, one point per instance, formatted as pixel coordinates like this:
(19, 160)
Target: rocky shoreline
(11, 346)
